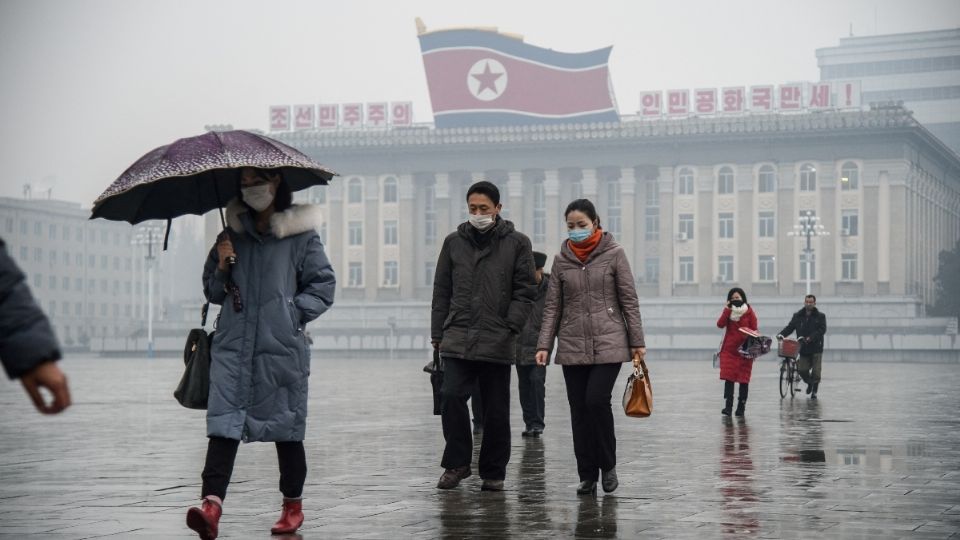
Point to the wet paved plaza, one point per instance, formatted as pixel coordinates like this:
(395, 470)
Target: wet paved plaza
(878, 456)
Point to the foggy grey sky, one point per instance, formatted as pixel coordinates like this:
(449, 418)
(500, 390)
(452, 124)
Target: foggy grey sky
(89, 86)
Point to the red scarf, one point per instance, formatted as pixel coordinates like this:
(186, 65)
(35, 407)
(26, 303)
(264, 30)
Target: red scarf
(583, 249)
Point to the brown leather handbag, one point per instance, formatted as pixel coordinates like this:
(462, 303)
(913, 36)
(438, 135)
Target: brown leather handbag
(638, 396)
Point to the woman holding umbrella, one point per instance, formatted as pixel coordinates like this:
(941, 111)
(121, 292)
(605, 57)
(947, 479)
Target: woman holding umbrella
(271, 275)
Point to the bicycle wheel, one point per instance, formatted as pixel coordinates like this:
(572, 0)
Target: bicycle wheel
(784, 379)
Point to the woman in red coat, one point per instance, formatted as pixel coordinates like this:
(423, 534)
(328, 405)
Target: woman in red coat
(734, 368)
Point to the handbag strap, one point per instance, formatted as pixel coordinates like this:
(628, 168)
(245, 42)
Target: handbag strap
(203, 314)
(640, 368)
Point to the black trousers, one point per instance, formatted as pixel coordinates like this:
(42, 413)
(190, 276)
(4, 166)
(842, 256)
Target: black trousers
(459, 379)
(728, 390)
(530, 381)
(221, 454)
(589, 389)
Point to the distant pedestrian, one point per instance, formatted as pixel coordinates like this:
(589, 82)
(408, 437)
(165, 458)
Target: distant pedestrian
(734, 368)
(28, 348)
(531, 378)
(593, 310)
(482, 294)
(260, 364)
(810, 324)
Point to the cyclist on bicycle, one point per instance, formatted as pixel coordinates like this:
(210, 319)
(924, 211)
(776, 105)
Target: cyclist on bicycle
(810, 325)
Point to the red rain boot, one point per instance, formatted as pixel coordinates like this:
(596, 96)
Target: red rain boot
(290, 519)
(206, 519)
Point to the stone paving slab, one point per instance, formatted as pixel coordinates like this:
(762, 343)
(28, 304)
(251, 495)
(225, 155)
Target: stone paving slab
(877, 457)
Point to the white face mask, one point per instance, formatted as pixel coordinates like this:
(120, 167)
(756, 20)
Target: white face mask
(258, 197)
(482, 222)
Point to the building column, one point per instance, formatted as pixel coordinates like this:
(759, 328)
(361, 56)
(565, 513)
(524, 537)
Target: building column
(628, 210)
(335, 232)
(668, 219)
(514, 202)
(406, 261)
(372, 242)
(588, 184)
(555, 219)
(441, 205)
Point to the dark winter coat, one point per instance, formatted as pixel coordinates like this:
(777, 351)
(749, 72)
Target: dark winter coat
(260, 356)
(734, 367)
(482, 294)
(26, 337)
(811, 325)
(592, 307)
(527, 342)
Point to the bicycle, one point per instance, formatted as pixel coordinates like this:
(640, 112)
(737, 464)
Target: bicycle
(788, 350)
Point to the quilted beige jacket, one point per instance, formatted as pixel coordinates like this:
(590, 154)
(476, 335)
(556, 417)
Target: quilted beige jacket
(592, 308)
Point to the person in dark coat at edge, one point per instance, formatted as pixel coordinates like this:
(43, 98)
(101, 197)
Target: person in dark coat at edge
(260, 355)
(28, 348)
(734, 368)
(531, 378)
(483, 292)
(810, 325)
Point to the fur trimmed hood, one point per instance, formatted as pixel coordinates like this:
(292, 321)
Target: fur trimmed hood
(294, 220)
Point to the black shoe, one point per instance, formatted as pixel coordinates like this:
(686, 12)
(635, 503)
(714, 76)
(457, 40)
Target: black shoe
(451, 477)
(587, 487)
(729, 407)
(809, 388)
(536, 432)
(527, 433)
(491, 485)
(813, 395)
(741, 405)
(609, 480)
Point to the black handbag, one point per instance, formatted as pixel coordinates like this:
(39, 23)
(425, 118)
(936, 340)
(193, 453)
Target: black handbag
(194, 387)
(435, 368)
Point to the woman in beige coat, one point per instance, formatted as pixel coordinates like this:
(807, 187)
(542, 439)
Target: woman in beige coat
(593, 311)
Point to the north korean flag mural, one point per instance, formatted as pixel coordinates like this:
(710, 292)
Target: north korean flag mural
(485, 78)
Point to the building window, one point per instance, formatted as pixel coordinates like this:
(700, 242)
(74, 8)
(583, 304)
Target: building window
(849, 176)
(651, 269)
(390, 271)
(803, 266)
(766, 268)
(53, 232)
(613, 208)
(79, 235)
(850, 223)
(37, 281)
(103, 262)
(92, 261)
(52, 283)
(24, 254)
(808, 177)
(53, 257)
(355, 191)
(685, 227)
(767, 179)
(686, 269)
(685, 181)
(78, 285)
(430, 213)
(78, 260)
(127, 288)
(725, 269)
(8, 225)
(766, 226)
(103, 237)
(390, 232)
(390, 190)
(78, 309)
(725, 224)
(651, 222)
(103, 313)
(576, 189)
(52, 310)
(848, 269)
(539, 212)
(104, 286)
(92, 286)
(429, 271)
(116, 263)
(37, 255)
(66, 259)
(725, 181)
(65, 283)
(355, 274)
(37, 228)
(355, 231)
(653, 193)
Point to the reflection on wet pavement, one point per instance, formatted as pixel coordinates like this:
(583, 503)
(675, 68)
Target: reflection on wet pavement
(124, 462)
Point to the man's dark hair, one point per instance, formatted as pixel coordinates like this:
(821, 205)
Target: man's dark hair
(811, 296)
(284, 196)
(585, 206)
(737, 290)
(485, 188)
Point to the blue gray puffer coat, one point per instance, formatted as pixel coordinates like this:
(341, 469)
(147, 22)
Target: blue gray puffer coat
(260, 356)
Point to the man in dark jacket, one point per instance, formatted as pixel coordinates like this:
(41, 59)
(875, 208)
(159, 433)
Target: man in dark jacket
(482, 295)
(530, 376)
(810, 325)
(28, 348)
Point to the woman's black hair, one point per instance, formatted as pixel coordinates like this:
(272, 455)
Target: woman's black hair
(284, 196)
(737, 290)
(585, 206)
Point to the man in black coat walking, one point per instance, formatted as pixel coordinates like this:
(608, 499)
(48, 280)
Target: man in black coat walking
(28, 348)
(483, 291)
(531, 378)
(810, 325)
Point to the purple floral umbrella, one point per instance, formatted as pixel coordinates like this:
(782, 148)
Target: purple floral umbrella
(197, 174)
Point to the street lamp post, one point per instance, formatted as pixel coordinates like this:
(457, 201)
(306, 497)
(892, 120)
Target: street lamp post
(808, 226)
(148, 235)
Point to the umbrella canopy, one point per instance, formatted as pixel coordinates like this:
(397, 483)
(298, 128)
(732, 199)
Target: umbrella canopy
(197, 174)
